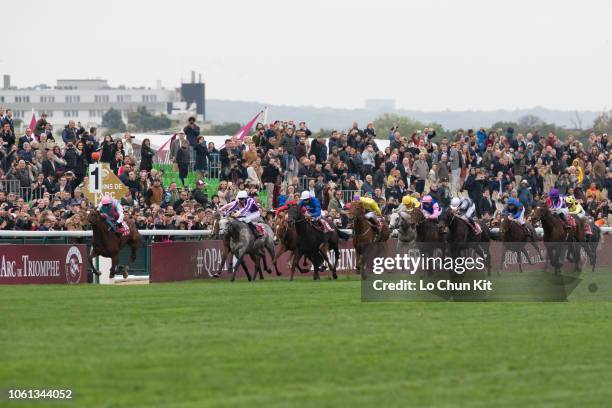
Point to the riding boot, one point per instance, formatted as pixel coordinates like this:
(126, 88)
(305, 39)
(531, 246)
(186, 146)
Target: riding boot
(374, 225)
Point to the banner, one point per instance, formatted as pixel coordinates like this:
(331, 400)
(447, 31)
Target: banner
(43, 264)
(177, 261)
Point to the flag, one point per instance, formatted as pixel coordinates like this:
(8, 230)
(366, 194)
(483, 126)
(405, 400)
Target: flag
(32, 122)
(242, 133)
(161, 152)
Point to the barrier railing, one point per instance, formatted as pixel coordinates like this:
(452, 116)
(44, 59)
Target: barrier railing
(186, 233)
(10, 186)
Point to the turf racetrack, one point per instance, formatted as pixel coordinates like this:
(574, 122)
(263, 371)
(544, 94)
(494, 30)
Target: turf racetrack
(303, 343)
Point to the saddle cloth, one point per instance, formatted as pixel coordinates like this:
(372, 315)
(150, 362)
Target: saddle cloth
(260, 229)
(475, 227)
(124, 229)
(322, 225)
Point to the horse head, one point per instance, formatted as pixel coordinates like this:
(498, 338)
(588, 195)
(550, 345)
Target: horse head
(414, 218)
(357, 210)
(540, 212)
(93, 217)
(294, 214)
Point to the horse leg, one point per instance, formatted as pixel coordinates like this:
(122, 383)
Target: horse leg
(295, 258)
(235, 268)
(331, 266)
(257, 262)
(113, 268)
(92, 255)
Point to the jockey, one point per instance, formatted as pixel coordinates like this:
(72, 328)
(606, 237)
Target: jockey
(574, 207)
(313, 210)
(464, 206)
(409, 203)
(111, 212)
(312, 205)
(247, 209)
(284, 207)
(515, 210)
(372, 210)
(557, 205)
(430, 208)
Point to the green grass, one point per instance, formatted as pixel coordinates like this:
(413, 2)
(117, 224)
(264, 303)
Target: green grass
(303, 343)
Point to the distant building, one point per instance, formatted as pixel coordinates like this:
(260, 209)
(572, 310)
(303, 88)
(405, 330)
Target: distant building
(380, 105)
(195, 93)
(83, 100)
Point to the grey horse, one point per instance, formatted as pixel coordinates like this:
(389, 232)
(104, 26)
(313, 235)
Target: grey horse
(406, 231)
(242, 243)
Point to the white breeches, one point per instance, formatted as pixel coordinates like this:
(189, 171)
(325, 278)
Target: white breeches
(249, 218)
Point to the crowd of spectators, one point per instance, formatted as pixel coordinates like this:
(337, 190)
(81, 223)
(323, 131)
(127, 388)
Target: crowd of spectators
(282, 159)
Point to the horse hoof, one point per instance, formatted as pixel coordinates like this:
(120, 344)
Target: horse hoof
(335, 276)
(97, 273)
(111, 276)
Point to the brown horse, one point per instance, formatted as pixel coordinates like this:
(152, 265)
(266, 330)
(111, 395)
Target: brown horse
(364, 234)
(288, 239)
(429, 236)
(516, 237)
(554, 235)
(108, 244)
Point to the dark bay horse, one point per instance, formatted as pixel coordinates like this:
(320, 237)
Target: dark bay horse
(515, 237)
(313, 243)
(288, 238)
(428, 234)
(364, 234)
(463, 238)
(108, 244)
(555, 238)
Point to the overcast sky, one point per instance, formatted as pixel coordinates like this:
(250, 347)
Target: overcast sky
(427, 54)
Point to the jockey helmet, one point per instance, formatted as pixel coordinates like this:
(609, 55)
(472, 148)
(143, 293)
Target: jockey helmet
(513, 201)
(570, 200)
(106, 200)
(242, 194)
(305, 195)
(427, 199)
(356, 197)
(554, 193)
(455, 203)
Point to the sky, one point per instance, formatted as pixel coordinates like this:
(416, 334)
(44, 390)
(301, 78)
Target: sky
(427, 55)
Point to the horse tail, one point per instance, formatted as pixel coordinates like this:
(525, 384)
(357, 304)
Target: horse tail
(341, 234)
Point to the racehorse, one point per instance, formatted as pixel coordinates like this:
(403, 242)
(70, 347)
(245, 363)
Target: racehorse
(364, 234)
(516, 237)
(242, 242)
(313, 243)
(554, 235)
(218, 228)
(288, 238)
(406, 231)
(427, 232)
(108, 244)
(462, 237)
